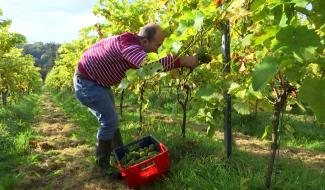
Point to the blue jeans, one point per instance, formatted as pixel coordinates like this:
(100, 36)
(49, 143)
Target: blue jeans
(100, 101)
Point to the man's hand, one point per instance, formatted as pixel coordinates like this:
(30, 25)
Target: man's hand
(189, 61)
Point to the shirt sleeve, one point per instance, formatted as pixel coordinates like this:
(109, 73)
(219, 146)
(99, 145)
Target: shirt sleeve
(170, 62)
(135, 54)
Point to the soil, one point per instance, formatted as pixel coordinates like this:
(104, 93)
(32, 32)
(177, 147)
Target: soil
(63, 161)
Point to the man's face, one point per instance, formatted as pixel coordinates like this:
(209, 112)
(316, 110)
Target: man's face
(155, 43)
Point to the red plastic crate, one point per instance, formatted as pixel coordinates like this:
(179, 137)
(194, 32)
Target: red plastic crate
(147, 171)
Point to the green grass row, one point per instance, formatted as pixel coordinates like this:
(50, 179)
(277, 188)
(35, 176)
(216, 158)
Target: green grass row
(299, 129)
(15, 132)
(197, 162)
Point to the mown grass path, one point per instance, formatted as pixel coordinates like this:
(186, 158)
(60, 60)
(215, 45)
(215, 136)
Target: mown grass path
(60, 160)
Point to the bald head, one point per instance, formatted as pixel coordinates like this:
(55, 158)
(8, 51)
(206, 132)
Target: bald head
(149, 31)
(151, 37)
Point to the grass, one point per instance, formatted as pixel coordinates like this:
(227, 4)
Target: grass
(15, 132)
(298, 131)
(197, 162)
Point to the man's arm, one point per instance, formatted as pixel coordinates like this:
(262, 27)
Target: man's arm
(136, 55)
(189, 61)
(170, 62)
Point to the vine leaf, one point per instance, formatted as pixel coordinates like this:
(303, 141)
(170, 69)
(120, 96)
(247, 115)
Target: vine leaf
(264, 72)
(313, 92)
(242, 107)
(295, 39)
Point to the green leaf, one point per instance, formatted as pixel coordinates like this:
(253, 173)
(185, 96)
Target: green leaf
(211, 130)
(155, 67)
(208, 92)
(296, 38)
(267, 131)
(264, 105)
(278, 13)
(141, 73)
(260, 54)
(264, 72)
(300, 106)
(96, 9)
(242, 108)
(256, 94)
(234, 87)
(167, 42)
(246, 41)
(300, 3)
(267, 33)
(293, 73)
(298, 57)
(153, 57)
(198, 21)
(312, 91)
(257, 4)
(176, 46)
(201, 114)
(183, 26)
(283, 21)
(241, 94)
(123, 84)
(151, 69)
(309, 53)
(145, 105)
(132, 75)
(275, 2)
(213, 124)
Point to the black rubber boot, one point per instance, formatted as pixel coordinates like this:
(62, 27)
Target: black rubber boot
(103, 152)
(116, 142)
(117, 139)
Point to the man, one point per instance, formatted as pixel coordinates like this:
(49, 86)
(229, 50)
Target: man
(104, 64)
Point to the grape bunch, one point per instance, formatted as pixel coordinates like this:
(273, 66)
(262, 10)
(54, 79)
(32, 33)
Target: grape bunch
(203, 55)
(139, 155)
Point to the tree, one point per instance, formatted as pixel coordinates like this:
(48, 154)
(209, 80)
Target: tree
(17, 71)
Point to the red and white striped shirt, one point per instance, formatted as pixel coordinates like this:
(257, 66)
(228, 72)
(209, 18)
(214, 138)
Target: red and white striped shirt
(107, 61)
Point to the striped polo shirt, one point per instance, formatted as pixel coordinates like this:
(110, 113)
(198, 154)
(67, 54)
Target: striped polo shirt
(107, 61)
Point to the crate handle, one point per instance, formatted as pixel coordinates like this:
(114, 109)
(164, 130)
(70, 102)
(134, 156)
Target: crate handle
(147, 165)
(149, 170)
(162, 147)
